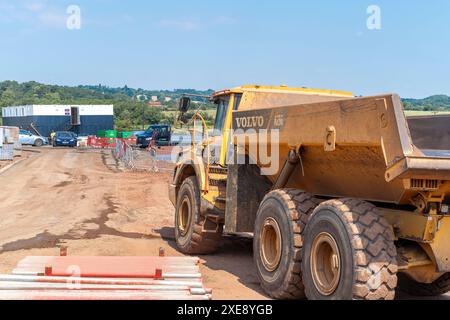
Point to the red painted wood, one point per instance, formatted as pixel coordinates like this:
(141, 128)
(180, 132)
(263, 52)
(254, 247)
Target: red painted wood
(106, 267)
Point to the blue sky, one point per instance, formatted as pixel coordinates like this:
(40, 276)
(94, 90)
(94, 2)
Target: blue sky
(219, 44)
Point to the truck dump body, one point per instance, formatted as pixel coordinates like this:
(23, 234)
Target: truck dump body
(269, 98)
(360, 148)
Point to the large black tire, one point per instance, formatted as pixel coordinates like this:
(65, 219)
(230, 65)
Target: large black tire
(410, 286)
(365, 266)
(194, 234)
(290, 209)
(38, 143)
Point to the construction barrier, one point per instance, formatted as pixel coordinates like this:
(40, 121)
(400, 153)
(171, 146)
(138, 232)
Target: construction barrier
(10, 145)
(154, 158)
(95, 142)
(124, 153)
(7, 152)
(107, 143)
(150, 159)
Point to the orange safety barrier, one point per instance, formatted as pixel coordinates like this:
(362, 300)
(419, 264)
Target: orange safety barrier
(109, 143)
(130, 141)
(96, 142)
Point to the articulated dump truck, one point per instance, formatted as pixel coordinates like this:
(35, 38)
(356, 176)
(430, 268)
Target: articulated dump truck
(349, 207)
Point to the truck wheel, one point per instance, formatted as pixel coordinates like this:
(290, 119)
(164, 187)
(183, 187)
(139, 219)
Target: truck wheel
(38, 143)
(278, 241)
(349, 253)
(194, 233)
(410, 286)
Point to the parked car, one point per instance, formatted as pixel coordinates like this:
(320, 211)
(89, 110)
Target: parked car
(161, 133)
(65, 139)
(27, 138)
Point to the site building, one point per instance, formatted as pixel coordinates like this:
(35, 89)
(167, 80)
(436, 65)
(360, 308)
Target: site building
(43, 119)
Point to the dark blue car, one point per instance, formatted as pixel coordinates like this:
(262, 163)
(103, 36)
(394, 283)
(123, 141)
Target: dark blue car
(160, 132)
(65, 139)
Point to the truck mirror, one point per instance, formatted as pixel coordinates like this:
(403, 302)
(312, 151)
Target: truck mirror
(184, 104)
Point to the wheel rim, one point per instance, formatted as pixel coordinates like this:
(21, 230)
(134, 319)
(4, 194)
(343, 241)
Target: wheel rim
(184, 215)
(325, 264)
(271, 245)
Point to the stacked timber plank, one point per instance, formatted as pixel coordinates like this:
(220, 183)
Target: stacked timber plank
(105, 278)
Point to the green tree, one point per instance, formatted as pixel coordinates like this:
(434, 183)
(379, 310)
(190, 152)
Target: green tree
(8, 98)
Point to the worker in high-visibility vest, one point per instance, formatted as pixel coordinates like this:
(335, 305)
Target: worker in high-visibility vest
(52, 137)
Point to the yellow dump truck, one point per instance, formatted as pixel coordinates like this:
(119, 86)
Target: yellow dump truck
(341, 202)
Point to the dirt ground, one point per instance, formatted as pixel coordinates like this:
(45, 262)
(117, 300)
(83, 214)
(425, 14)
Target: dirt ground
(81, 199)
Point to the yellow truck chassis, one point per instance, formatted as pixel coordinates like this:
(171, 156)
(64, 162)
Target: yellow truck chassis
(354, 211)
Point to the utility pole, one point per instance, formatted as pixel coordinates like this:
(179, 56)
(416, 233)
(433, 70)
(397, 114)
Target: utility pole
(143, 115)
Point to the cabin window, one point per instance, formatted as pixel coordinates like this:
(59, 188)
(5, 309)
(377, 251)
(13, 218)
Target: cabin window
(237, 101)
(222, 110)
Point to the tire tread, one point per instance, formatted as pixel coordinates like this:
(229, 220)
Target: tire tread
(202, 242)
(301, 205)
(375, 253)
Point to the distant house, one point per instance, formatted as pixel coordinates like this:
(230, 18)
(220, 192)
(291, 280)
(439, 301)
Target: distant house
(155, 104)
(167, 99)
(154, 98)
(80, 119)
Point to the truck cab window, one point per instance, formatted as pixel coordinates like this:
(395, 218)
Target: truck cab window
(237, 101)
(222, 110)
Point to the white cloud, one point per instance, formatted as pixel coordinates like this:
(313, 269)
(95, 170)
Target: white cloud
(6, 6)
(191, 25)
(9, 13)
(226, 20)
(52, 19)
(183, 25)
(32, 14)
(35, 5)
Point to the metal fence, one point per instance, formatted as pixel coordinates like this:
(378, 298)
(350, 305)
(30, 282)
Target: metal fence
(7, 152)
(152, 159)
(133, 158)
(124, 153)
(10, 145)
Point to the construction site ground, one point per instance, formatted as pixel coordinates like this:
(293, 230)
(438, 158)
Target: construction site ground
(82, 199)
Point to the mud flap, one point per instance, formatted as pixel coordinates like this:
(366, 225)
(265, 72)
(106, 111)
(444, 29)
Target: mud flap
(246, 188)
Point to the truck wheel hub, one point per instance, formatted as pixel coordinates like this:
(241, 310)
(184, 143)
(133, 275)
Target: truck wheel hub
(271, 243)
(184, 216)
(325, 264)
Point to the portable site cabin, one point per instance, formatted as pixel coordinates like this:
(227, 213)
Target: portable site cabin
(83, 120)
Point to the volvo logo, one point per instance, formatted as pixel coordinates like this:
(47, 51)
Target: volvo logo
(250, 122)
